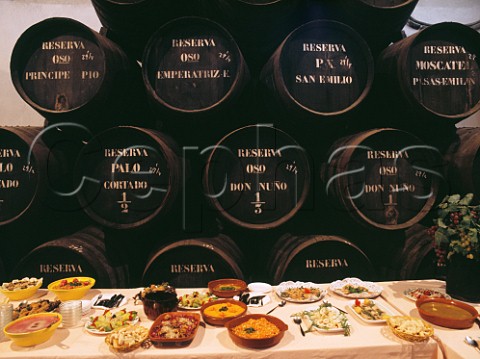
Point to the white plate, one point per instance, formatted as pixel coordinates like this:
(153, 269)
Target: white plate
(374, 290)
(351, 304)
(265, 300)
(259, 287)
(306, 321)
(108, 296)
(100, 332)
(282, 287)
(433, 293)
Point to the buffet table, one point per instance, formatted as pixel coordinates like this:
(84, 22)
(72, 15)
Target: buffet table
(365, 341)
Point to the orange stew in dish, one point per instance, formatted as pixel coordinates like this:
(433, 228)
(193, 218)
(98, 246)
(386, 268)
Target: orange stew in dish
(256, 329)
(75, 283)
(224, 310)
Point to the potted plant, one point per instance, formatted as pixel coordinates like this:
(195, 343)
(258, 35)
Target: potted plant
(456, 242)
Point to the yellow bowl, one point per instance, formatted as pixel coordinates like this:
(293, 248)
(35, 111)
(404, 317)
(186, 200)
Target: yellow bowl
(22, 293)
(73, 293)
(25, 333)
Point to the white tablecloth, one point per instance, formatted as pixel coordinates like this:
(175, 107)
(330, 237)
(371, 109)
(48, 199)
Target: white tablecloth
(366, 340)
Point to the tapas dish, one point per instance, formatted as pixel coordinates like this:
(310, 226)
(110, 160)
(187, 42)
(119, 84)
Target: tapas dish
(447, 313)
(109, 321)
(256, 331)
(174, 328)
(126, 339)
(227, 288)
(221, 311)
(195, 300)
(71, 288)
(415, 293)
(300, 292)
(356, 288)
(25, 309)
(325, 319)
(19, 289)
(369, 311)
(410, 328)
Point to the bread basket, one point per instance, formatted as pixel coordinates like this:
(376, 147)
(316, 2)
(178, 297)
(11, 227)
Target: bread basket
(410, 328)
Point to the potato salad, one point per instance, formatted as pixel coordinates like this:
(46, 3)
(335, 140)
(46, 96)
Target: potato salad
(324, 318)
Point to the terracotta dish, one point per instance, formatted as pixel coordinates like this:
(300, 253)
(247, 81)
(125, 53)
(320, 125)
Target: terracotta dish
(174, 328)
(447, 313)
(256, 343)
(221, 311)
(227, 288)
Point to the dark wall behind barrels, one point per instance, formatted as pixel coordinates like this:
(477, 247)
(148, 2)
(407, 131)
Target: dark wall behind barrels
(276, 178)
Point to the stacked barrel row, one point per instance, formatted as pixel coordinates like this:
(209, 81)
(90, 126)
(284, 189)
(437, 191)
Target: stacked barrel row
(316, 150)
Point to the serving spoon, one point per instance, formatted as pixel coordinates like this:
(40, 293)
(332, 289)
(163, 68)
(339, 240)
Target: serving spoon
(281, 304)
(472, 342)
(298, 320)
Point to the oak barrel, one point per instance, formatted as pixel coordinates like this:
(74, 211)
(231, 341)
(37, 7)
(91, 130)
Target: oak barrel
(192, 65)
(383, 178)
(257, 177)
(23, 171)
(259, 26)
(434, 73)
(462, 158)
(66, 71)
(417, 258)
(318, 259)
(130, 23)
(191, 263)
(129, 176)
(80, 254)
(379, 21)
(321, 70)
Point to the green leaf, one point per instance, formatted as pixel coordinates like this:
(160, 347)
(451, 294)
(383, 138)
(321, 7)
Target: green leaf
(454, 198)
(451, 232)
(466, 221)
(467, 199)
(440, 223)
(440, 237)
(442, 213)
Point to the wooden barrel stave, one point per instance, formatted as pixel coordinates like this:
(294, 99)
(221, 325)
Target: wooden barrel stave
(79, 254)
(384, 178)
(193, 66)
(462, 162)
(66, 71)
(432, 74)
(322, 70)
(319, 259)
(257, 177)
(130, 176)
(130, 23)
(191, 263)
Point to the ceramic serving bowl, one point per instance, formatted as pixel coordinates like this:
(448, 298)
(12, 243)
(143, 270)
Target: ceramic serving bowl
(186, 323)
(256, 343)
(221, 311)
(65, 290)
(21, 294)
(33, 329)
(227, 288)
(447, 313)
